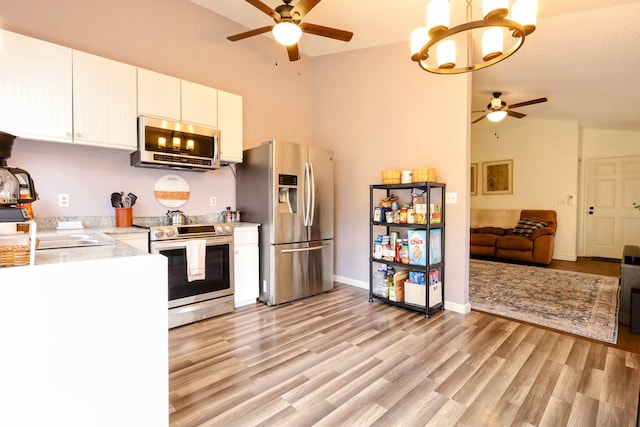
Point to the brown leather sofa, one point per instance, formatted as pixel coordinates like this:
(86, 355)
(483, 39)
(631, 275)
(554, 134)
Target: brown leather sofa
(500, 242)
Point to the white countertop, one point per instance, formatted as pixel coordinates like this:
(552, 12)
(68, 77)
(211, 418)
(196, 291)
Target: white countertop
(60, 255)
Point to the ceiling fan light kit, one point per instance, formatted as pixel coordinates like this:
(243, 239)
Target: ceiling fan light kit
(497, 109)
(289, 27)
(493, 26)
(286, 33)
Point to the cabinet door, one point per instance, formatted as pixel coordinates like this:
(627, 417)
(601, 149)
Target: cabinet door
(230, 125)
(199, 105)
(158, 95)
(245, 274)
(35, 88)
(104, 102)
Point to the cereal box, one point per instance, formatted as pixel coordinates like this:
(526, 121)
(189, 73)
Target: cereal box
(417, 247)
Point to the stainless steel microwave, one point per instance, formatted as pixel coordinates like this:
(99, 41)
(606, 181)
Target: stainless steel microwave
(173, 145)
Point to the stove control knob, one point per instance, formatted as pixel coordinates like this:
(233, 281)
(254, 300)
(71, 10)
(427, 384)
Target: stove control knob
(219, 228)
(170, 232)
(158, 233)
(228, 229)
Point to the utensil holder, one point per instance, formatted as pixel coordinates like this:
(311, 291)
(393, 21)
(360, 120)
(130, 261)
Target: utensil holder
(124, 217)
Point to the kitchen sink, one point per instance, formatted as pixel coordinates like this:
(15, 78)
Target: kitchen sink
(55, 240)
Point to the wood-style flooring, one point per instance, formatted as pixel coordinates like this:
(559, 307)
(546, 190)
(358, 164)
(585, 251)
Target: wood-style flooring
(337, 360)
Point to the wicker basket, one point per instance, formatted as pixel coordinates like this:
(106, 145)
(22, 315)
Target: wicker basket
(391, 176)
(14, 255)
(424, 175)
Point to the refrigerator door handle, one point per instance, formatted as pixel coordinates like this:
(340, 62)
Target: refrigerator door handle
(312, 207)
(311, 248)
(307, 194)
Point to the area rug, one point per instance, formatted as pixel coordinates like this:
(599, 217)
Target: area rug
(578, 303)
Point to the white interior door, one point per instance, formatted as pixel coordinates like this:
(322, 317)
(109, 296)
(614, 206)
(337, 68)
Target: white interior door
(613, 185)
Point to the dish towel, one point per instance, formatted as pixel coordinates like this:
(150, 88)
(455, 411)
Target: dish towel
(196, 256)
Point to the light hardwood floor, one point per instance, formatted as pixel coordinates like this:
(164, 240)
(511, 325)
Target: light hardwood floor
(337, 360)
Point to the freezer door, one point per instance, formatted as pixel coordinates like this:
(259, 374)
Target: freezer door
(321, 218)
(298, 271)
(288, 191)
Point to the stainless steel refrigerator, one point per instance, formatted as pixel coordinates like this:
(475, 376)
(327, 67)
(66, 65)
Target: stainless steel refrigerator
(288, 189)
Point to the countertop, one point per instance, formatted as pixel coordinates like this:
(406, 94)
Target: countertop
(90, 253)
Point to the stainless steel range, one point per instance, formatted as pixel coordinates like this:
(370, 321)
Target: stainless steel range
(200, 264)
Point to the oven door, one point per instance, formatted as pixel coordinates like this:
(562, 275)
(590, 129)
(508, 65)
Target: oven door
(218, 280)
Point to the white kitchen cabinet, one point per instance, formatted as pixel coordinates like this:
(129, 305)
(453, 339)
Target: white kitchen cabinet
(35, 88)
(246, 265)
(168, 97)
(230, 125)
(137, 240)
(199, 104)
(158, 95)
(104, 102)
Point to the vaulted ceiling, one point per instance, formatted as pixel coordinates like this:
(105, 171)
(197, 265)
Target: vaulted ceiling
(583, 56)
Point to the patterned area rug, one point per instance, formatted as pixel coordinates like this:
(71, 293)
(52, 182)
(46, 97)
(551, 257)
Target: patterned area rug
(577, 303)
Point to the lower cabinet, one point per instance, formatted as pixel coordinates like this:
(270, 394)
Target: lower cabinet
(246, 265)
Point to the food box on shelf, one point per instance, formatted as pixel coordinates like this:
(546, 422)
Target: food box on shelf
(417, 247)
(416, 294)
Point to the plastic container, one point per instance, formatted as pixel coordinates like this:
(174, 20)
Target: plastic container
(379, 283)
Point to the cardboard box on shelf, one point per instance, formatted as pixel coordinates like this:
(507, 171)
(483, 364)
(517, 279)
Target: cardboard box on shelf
(416, 294)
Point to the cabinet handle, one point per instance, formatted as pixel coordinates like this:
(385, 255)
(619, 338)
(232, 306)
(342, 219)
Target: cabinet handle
(78, 135)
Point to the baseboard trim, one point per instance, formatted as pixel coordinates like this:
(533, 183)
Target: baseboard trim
(458, 308)
(565, 257)
(347, 281)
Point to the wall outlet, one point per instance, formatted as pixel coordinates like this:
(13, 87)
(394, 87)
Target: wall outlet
(212, 201)
(63, 200)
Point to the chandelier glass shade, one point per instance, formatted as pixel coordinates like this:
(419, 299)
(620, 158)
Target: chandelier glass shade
(438, 40)
(286, 33)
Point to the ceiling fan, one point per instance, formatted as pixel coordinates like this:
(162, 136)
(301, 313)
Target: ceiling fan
(497, 109)
(288, 18)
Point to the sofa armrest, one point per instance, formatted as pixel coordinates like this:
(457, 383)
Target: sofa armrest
(544, 231)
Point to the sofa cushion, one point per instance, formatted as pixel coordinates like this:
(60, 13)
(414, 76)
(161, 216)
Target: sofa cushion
(490, 230)
(514, 243)
(545, 231)
(526, 226)
(483, 239)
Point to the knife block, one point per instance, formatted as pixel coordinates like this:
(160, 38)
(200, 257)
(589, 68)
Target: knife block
(124, 217)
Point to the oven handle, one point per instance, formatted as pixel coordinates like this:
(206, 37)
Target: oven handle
(311, 248)
(178, 244)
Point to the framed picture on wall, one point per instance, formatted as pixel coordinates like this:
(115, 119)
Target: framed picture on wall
(473, 185)
(497, 177)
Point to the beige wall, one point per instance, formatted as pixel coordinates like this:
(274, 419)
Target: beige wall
(545, 163)
(378, 111)
(375, 108)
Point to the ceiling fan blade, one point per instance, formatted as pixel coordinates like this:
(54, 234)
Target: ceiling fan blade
(533, 101)
(479, 111)
(292, 50)
(478, 119)
(515, 114)
(323, 31)
(250, 33)
(263, 7)
(303, 7)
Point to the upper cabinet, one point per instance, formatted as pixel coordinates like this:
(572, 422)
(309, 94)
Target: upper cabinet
(170, 98)
(104, 102)
(53, 93)
(167, 97)
(35, 88)
(230, 125)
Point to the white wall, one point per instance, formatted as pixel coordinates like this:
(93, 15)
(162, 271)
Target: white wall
(378, 110)
(545, 170)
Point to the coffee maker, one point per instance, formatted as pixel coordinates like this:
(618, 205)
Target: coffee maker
(16, 186)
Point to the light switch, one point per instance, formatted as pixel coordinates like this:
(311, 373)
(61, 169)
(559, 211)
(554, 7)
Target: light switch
(452, 198)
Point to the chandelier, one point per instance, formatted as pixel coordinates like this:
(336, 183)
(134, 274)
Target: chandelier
(445, 41)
